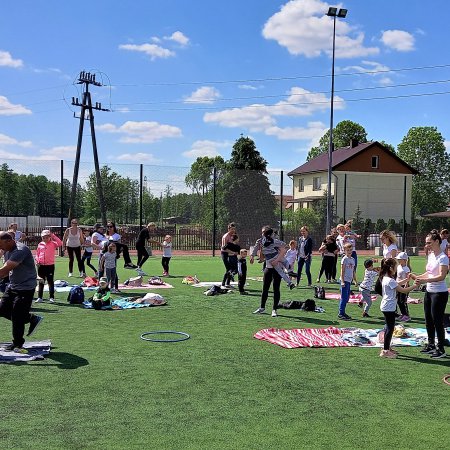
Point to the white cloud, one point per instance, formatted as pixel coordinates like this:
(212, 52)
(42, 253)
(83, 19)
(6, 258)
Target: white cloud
(152, 50)
(205, 94)
(7, 140)
(447, 145)
(8, 61)
(374, 69)
(399, 40)
(205, 148)
(304, 29)
(59, 152)
(178, 37)
(138, 157)
(260, 117)
(142, 132)
(313, 132)
(249, 87)
(9, 109)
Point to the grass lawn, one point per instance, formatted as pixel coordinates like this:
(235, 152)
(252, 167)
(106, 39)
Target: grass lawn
(104, 387)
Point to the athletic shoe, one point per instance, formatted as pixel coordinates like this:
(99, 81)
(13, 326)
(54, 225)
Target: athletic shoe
(360, 304)
(82, 275)
(388, 354)
(438, 353)
(259, 311)
(51, 300)
(344, 317)
(404, 319)
(429, 348)
(38, 300)
(70, 274)
(115, 291)
(8, 347)
(140, 272)
(291, 286)
(35, 321)
(274, 313)
(20, 350)
(243, 292)
(393, 351)
(130, 266)
(365, 314)
(309, 285)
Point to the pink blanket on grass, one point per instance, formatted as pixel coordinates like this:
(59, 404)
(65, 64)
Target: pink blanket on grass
(123, 287)
(355, 298)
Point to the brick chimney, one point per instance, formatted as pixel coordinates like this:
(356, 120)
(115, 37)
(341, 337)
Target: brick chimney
(354, 143)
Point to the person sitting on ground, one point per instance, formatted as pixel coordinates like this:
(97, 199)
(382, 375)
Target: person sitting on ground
(274, 251)
(102, 295)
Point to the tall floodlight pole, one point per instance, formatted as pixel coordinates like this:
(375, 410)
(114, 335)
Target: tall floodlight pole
(332, 12)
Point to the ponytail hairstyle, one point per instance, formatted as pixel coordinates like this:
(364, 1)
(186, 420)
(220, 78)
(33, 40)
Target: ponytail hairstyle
(435, 236)
(388, 268)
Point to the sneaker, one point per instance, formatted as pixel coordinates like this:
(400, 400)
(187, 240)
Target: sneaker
(51, 300)
(318, 280)
(35, 321)
(429, 348)
(291, 286)
(259, 311)
(344, 317)
(82, 275)
(115, 291)
(243, 292)
(38, 300)
(388, 354)
(8, 347)
(130, 266)
(70, 274)
(141, 273)
(274, 313)
(309, 285)
(360, 304)
(393, 351)
(20, 350)
(365, 314)
(404, 319)
(438, 353)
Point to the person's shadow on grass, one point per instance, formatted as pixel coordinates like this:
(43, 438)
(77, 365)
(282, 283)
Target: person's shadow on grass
(425, 359)
(62, 360)
(313, 320)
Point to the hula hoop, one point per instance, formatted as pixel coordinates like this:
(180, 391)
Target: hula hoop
(446, 379)
(184, 337)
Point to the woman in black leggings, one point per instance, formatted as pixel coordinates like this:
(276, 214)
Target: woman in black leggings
(436, 295)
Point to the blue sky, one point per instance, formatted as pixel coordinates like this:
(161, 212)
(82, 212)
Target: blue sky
(187, 78)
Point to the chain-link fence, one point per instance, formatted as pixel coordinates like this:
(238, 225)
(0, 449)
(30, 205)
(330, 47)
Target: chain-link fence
(194, 207)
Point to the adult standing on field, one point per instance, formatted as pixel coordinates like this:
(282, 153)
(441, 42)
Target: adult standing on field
(16, 301)
(389, 241)
(73, 240)
(19, 236)
(304, 248)
(436, 294)
(227, 238)
(144, 237)
(114, 236)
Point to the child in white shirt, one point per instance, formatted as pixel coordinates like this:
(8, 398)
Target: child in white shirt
(167, 254)
(403, 274)
(370, 273)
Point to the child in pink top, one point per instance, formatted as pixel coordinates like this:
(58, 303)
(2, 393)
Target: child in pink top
(45, 261)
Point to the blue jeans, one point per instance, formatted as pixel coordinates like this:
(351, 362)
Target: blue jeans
(345, 296)
(307, 264)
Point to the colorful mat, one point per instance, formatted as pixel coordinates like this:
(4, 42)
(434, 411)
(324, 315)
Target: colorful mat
(123, 287)
(126, 303)
(36, 350)
(204, 284)
(337, 337)
(354, 298)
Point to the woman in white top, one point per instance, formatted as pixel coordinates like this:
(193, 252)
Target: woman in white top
(389, 241)
(73, 240)
(436, 295)
(115, 237)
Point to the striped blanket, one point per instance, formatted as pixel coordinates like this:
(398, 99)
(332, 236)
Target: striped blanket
(354, 298)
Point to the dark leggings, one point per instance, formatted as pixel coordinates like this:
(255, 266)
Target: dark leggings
(77, 252)
(46, 272)
(271, 275)
(142, 255)
(226, 262)
(403, 303)
(123, 248)
(327, 267)
(87, 257)
(389, 317)
(434, 304)
(165, 260)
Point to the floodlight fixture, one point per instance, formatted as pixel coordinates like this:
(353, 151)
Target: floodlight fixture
(332, 11)
(342, 13)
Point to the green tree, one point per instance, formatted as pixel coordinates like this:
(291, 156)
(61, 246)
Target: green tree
(423, 149)
(380, 225)
(303, 216)
(388, 146)
(200, 177)
(343, 133)
(358, 221)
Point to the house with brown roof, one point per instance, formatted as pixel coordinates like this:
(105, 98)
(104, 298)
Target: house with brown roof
(367, 175)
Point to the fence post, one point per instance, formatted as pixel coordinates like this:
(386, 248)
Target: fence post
(141, 196)
(281, 208)
(214, 212)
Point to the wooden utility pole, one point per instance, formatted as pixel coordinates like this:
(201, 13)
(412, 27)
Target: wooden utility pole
(86, 78)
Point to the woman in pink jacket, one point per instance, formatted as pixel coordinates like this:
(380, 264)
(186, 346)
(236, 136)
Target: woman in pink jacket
(45, 261)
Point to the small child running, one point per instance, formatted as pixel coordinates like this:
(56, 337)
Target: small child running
(167, 254)
(370, 273)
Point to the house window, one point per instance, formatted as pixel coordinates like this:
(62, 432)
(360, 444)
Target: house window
(375, 162)
(317, 184)
(301, 184)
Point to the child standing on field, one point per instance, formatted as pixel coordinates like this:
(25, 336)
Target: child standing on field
(403, 274)
(389, 290)
(291, 257)
(167, 254)
(370, 274)
(108, 265)
(242, 271)
(88, 250)
(347, 270)
(45, 261)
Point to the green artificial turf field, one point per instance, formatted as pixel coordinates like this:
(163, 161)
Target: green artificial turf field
(104, 387)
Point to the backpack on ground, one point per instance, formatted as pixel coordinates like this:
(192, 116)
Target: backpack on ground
(319, 292)
(76, 295)
(134, 282)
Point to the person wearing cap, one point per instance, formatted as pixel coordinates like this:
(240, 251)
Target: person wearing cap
(45, 263)
(15, 303)
(102, 295)
(403, 275)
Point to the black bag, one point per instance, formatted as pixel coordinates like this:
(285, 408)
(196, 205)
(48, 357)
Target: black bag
(319, 292)
(76, 295)
(378, 288)
(310, 304)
